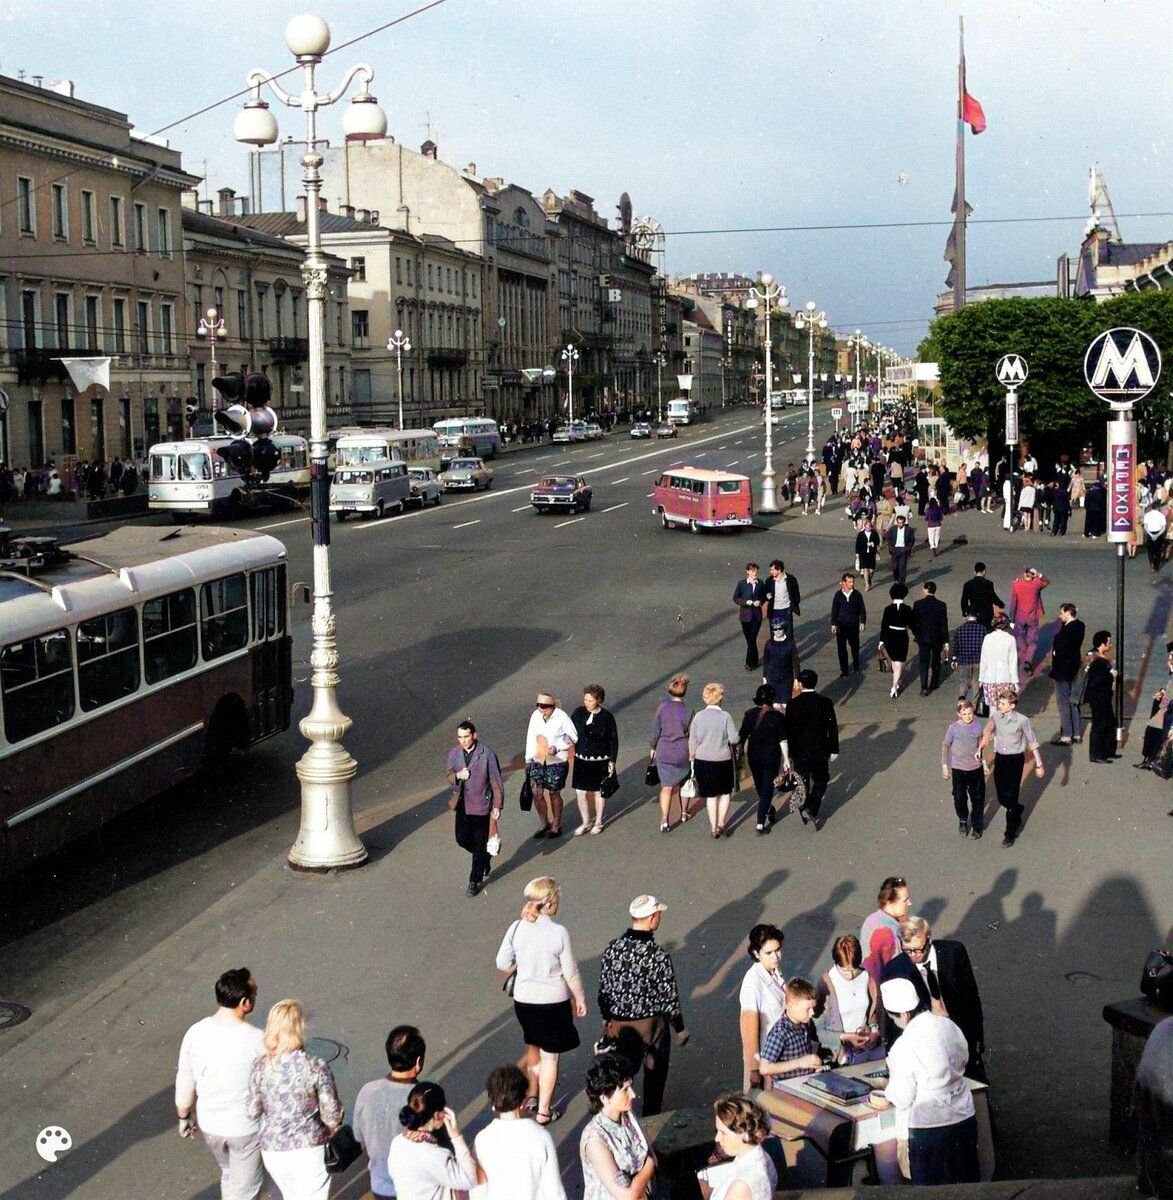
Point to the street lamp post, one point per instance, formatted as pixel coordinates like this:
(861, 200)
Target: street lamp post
(212, 327)
(399, 342)
(660, 361)
(767, 293)
(810, 320)
(570, 357)
(327, 837)
(858, 344)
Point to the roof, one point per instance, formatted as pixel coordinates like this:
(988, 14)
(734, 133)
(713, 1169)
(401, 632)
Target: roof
(1127, 254)
(705, 473)
(287, 224)
(235, 230)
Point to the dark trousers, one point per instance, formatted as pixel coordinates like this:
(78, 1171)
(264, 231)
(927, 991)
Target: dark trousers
(944, 1154)
(1059, 522)
(930, 666)
(750, 630)
(764, 774)
(1008, 785)
(1102, 739)
(847, 634)
(656, 1036)
(472, 834)
(816, 774)
(969, 796)
(1155, 546)
(900, 565)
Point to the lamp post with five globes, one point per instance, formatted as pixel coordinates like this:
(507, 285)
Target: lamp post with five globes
(399, 342)
(858, 344)
(212, 327)
(810, 320)
(327, 837)
(769, 294)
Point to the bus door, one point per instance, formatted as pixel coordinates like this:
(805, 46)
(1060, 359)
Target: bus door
(272, 697)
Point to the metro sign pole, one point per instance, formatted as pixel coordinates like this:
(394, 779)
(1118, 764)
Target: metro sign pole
(1011, 371)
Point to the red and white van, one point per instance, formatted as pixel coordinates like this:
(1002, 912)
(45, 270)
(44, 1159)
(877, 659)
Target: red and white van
(699, 498)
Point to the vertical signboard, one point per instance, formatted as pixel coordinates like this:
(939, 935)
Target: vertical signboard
(1121, 480)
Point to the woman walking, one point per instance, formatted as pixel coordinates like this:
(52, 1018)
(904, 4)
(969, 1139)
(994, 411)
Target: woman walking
(712, 738)
(669, 746)
(867, 545)
(430, 1159)
(894, 627)
(293, 1095)
(763, 734)
(961, 762)
(595, 755)
(934, 519)
(780, 663)
(998, 667)
(616, 1161)
(546, 981)
(762, 999)
(1012, 735)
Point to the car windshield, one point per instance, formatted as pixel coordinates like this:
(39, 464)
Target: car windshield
(466, 464)
(417, 473)
(557, 481)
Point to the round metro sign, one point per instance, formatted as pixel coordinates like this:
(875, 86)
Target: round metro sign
(1122, 366)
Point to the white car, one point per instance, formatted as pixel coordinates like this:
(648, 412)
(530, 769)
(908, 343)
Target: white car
(594, 431)
(425, 486)
(574, 432)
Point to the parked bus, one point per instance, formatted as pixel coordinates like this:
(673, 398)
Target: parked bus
(353, 445)
(479, 436)
(682, 411)
(191, 477)
(126, 663)
(699, 498)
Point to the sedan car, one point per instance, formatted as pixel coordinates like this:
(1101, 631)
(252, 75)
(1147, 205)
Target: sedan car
(466, 475)
(567, 493)
(641, 429)
(594, 431)
(666, 430)
(574, 432)
(425, 486)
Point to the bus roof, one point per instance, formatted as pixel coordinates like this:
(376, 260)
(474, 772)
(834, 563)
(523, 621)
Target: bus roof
(703, 473)
(192, 445)
(358, 434)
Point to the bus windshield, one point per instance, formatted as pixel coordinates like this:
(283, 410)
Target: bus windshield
(353, 456)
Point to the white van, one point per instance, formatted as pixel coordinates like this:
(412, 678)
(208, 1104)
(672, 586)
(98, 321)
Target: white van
(372, 488)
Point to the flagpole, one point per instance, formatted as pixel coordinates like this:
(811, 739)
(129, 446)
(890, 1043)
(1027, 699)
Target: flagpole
(959, 190)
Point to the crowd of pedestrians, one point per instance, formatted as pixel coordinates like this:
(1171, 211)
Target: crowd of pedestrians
(94, 480)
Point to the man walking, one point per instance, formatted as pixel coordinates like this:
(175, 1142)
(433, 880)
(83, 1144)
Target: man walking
(901, 538)
(782, 596)
(979, 599)
(215, 1059)
(848, 618)
(813, 735)
(930, 620)
(549, 750)
(376, 1109)
(1155, 525)
(750, 596)
(638, 995)
(966, 644)
(1066, 658)
(1026, 611)
(477, 795)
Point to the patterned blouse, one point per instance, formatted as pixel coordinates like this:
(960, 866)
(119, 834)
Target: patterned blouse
(627, 1144)
(637, 980)
(294, 1098)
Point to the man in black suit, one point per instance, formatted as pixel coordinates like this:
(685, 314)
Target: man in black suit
(848, 617)
(930, 620)
(812, 732)
(750, 596)
(901, 539)
(782, 596)
(978, 598)
(944, 981)
(1066, 661)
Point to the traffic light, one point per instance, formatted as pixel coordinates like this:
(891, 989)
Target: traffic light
(251, 453)
(262, 423)
(239, 456)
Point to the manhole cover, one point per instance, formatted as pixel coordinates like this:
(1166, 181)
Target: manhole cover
(327, 1049)
(13, 1014)
(1081, 977)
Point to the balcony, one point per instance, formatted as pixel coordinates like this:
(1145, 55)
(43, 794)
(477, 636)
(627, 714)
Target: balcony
(447, 356)
(288, 351)
(40, 364)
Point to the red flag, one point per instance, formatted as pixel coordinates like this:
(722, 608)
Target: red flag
(971, 113)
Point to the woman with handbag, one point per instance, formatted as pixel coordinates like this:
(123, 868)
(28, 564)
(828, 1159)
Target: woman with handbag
(430, 1160)
(867, 546)
(669, 746)
(712, 740)
(537, 952)
(763, 734)
(595, 755)
(894, 627)
(294, 1097)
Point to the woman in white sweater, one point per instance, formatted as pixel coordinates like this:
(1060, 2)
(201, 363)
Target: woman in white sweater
(998, 671)
(430, 1159)
(517, 1157)
(547, 991)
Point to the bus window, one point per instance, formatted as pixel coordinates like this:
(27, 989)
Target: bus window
(729, 485)
(164, 467)
(268, 589)
(195, 466)
(36, 677)
(107, 658)
(169, 635)
(223, 616)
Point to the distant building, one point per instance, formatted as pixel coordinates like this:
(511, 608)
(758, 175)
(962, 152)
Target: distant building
(1107, 266)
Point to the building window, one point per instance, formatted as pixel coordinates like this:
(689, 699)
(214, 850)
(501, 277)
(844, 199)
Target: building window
(164, 232)
(61, 318)
(295, 310)
(359, 267)
(68, 425)
(261, 323)
(119, 326)
(60, 213)
(117, 229)
(92, 303)
(399, 271)
(89, 224)
(430, 284)
(408, 265)
(241, 314)
(167, 328)
(360, 327)
(140, 226)
(26, 210)
(142, 327)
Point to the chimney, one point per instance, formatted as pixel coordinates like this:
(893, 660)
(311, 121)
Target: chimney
(302, 212)
(471, 170)
(374, 216)
(227, 201)
(362, 214)
(322, 205)
(205, 206)
(348, 211)
(429, 149)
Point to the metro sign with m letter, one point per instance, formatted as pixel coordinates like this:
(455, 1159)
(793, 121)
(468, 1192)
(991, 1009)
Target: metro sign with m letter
(1122, 366)
(1011, 370)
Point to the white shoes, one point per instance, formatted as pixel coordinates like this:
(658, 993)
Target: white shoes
(581, 830)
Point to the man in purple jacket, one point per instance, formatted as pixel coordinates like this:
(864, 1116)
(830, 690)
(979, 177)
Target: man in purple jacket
(475, 776)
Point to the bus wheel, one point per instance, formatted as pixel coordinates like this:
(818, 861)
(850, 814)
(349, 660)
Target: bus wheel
(693, 527)
(226, 731)
(664, 520)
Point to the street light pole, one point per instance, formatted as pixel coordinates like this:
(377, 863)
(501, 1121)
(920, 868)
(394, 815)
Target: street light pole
(811, 320)
(327, 837)
(570, 357)
(768, 294)
(212, 327)
(660, 387)
(399, 342)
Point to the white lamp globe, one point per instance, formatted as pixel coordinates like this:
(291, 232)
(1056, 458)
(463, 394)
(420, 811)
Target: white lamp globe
(255, 125)
(364, 120)
(307, 36)
(767, 278)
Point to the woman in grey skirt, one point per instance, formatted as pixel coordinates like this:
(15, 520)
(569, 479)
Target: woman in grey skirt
(712, 738)
(669, 747)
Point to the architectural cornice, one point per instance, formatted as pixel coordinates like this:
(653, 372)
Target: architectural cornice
(119, 164)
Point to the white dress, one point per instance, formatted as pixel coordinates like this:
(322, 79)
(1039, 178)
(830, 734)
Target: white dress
(763, 992)
(756, 1168)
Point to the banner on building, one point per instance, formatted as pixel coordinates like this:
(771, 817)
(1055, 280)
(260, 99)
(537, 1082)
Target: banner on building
(87, 371)
(684, 382)
(1121, 480)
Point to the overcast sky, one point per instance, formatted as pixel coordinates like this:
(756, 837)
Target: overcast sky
(713, 114)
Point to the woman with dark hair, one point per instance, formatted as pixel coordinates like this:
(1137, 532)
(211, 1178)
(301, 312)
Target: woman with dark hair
(616, 1161)
(594, 755)
(934, 519)
(867, 545)
(763, 734)
(894, 628)
(669, 746)
(850, 997)
(780, 662)
(430, 1159)
(762, 998)
(742, 1127)
(517, 1158)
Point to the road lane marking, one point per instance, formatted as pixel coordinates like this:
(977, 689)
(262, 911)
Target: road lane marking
(738, 442)
(722, 447)
(278, 524)
(615, 506)
(651, 472)
(600, 454)
(572, 521)
(541, 458)
(732, 464)
(527, 471)
(615, 481)
(560, 463)
(466, 524)
(522, 508)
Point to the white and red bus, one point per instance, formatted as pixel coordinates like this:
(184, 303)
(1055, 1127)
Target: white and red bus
(698, 498)
(127, 663)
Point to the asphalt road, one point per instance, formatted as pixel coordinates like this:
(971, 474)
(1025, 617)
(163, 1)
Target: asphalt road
(468, 610)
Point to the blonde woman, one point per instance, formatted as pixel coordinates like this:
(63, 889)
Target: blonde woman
(669, 747)
(293, 1096)
(741, 1127)
(712, 738)
(547, 991)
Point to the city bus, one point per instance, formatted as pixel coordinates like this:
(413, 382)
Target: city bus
(353, 446)
(191, 477)
(681, 411)
(479, 436)
(127, 662)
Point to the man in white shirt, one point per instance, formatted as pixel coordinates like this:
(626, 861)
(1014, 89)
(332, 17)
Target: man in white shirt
(215, 1059)
(1155, 524)
(376, 1109)
(549, 750)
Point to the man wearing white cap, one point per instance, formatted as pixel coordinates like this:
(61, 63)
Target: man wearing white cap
(638, 992)
(926, 1080)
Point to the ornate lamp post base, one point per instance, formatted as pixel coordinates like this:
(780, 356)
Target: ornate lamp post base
(768, 502)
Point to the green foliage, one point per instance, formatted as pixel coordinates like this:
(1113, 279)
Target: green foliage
(1053, 335)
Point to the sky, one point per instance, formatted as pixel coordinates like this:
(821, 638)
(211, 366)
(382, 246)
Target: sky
(716, 116)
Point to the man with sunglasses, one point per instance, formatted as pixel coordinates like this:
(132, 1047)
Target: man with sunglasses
(941, 972)
(549, 750)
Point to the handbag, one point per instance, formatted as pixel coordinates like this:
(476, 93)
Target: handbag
(342, 1149)
(883, 661)
(526, 799)
(1156, 980)
(688, 789)
(652, 775)
(510, 980)
(610, 785)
